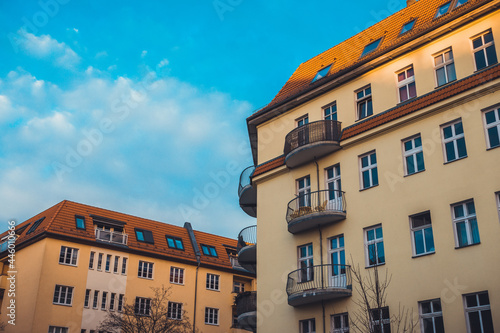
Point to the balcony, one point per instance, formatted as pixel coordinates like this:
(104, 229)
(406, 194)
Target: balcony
(248, 193)
(314, 209)
(246, 310)
(318, 283)
(247, 248)
(113, 237)
(312, 140)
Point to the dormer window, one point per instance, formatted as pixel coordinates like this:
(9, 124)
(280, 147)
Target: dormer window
(209, 250)
(175, 243)
(371, 47)
(407, 27)
(322, 73)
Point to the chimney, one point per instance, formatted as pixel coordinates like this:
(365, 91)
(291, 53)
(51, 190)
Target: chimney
(410, 2)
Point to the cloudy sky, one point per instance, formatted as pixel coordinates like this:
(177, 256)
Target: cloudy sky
(140, 106)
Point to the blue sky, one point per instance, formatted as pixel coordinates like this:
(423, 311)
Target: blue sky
(140, 106)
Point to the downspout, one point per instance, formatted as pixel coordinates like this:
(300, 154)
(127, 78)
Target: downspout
(197, 253)
(320, 246)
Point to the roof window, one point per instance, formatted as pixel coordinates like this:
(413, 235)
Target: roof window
(209, 250)
(174, 243)
(144, 236)
(35, 225)
(322, 73)
(371, 47)
(407, 27)
(443, 9)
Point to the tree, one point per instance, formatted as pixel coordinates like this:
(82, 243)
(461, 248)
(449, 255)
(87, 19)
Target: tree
(151, 316)
(372, 315)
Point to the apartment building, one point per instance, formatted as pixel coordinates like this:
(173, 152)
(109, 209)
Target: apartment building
(382, 153)
(75, 263)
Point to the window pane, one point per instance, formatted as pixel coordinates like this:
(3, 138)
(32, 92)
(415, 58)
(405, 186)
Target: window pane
(436, 306)
(491, 55)
(447, 132)
(380, 252)
(429, 240)
(412, 90)
(409, 144)
(462, 150)
(359, 94)
(419, 242)
(410, 168)
(428, 325)
(373, 158)
(477, 42)
(170, 242)
(488, 37)
(459, 210)
(420, 161)
(371, 234)
(403, 95)
(368, 91)
(451, 72)
(401, 76)
(490, 117)
(475, 231)
(441, 77)
(334, 243)
(475, 324)
(459, 129)
(426, 307)
(487, 321)
(374, 176)
(366, 179)
(369, 107)
(439, 324)
(470, 208)
(462, 234)
(450, 151)
(378, 232)
(438, 60)
(480, 59)
(483, 299)
(371, 254)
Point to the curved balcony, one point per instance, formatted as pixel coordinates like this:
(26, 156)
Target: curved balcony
(246, 310)
(248, 193)
(315, 209)
(247, 248)
(318, 283)
(312, 140)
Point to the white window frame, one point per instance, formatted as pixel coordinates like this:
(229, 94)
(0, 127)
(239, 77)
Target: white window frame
(444, 64)
(116, 264)
(332, 111)
(412, 153)
(344, 318)
(67, 299)
(91, 260)
(311, 325)
(421, 229)
(482, 48)
(374, 241)
(382, 321)
(99, 261)
(362, 100)
(142, 306)
(467, 218)
(308, 259)
(496, 112)
(86, 302)
(58, 329)
(112, 299)
(304, 120)
(454, 138)
(174, 310)
(104, 300)
(304, 191)
(176, 275)
(238, 287)
(107, 266)
(478, 308)
(213, 282)
(70, 253)
(334, 183)
(95, 302)
(145, 270)
(368, 169)
(211, 316)
(431, 315)
(405, 83)
(124, 265)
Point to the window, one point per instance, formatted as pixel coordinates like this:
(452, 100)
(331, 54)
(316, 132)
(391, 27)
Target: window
(460, 3)
(212, 281)
(96, 299)
(454, 141)
(91, 260)
(364, 103)
(124, 266)
(330, 111)
(443, 9)
(174, 243)
(145, 269)
(211, 316)
(303, 191)
(492, 127)
(374, 246)
(174, 310)
(337, 260)
(302, 121)
(321, 73)
(334, 186)
(108, 262)
(464, 220)
(35, 225)
(406, 84)
(80, 222)
(142, 306)
(209, 250)
(144, 236)
(381, 321)
(407, 27)
(421, 230)
(478, 313)
(369, 173)
(413, 155)
(306, 263)
(112, 302)
(238, 287)
(63, 295)
(87, 298)
(371, 47)
(431, 317)
(484, 50)
(68, 256)
(57, 329)
(117, 262)
(176, 275)
(120, 302)
(340, 323)
(307, 326)
(99, 261)
(104, 300)
(444, 67)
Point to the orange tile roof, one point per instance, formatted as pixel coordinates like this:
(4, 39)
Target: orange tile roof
(402, 110)
(59, 221)
(347, 55)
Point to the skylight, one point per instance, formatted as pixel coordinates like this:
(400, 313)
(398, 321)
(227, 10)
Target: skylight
(322, 73)
(460, 3)
(443, 9)
(407, 27)
(35, 225)
(371, 47)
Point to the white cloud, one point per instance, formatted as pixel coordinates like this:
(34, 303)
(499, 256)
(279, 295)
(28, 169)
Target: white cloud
(144, 53)
(163, 63)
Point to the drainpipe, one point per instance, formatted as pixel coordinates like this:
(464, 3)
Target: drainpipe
(320, 246)
(324, 322)
(197, 253)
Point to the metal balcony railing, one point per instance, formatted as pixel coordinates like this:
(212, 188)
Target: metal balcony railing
(247, 237)
(320, 277)
(317, 131)
(245, 178)
(315, 202)
(246, 302)
(111, 236)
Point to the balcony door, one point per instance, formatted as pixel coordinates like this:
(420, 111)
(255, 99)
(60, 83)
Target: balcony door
(304, 191)
(306, 263)
(303, 132)
(337, 274)
(334, 185)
